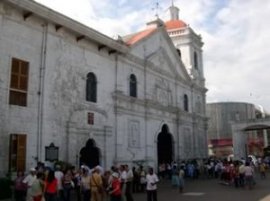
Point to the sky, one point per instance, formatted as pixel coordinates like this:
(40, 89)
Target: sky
(235, 33)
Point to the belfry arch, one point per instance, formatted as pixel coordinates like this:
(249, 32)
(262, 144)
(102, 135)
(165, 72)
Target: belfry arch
(240, 129)
(165, 145)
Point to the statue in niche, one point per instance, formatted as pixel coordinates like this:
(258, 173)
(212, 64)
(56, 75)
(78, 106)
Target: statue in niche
(90, 154)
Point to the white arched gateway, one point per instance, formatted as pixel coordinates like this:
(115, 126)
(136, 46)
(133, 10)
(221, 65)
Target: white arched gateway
(239, 130)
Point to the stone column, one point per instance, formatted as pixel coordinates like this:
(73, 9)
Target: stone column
(239, 143)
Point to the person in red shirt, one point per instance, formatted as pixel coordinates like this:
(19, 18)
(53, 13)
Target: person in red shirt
(50, 189)
(115, 191)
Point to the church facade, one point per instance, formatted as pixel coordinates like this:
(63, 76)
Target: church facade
(73, 94)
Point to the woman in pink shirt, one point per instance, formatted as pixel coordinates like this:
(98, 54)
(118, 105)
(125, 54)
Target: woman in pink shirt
(20, 187)
(249, 175)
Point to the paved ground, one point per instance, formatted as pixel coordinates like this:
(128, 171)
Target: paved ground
(211, 190)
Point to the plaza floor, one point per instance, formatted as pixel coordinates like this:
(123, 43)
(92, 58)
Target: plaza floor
(211, 190)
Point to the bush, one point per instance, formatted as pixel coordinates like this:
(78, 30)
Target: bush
(64, 165)
(5, 186)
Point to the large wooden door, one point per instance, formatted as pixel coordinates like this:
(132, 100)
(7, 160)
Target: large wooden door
(165, 146)
(17, 153)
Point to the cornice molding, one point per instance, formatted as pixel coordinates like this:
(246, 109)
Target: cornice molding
(68, 23)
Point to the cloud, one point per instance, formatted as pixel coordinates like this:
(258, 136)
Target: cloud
(236, 54)
(235, 32)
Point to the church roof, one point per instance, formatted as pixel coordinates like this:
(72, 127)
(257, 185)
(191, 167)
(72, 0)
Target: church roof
(175, 24)
(169, 25)
(134, 38)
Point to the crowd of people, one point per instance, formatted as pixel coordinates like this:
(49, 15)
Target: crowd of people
(119, 183)
(239, 173)
(85, 184)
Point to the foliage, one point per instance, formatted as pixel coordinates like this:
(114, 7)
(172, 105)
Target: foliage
(5, 188)
(64, 165)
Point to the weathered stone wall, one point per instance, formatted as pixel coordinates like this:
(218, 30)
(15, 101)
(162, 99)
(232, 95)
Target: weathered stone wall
(125, 128)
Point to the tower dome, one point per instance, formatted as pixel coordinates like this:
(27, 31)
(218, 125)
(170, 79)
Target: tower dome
(174, 22)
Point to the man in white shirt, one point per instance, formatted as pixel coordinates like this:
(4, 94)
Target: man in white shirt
(59, 177)
(151, 185)
(123, 178)
(242, 174)
(129, 183)
(29, 180)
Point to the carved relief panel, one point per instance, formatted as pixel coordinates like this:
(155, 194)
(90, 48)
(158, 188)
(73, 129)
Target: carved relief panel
(162, 92)
(134, 134)
(187, 142)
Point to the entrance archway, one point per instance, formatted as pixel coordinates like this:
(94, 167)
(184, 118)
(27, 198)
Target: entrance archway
(242, 141)
(165, 146)
(90, 154)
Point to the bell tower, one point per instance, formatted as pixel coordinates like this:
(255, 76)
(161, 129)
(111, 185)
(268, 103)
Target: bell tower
(188, 44)
(174, 12)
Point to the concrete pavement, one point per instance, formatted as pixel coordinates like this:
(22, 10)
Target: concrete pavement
(211, 190)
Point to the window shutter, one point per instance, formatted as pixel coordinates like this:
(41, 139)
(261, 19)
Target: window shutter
(21, 152)
(17, 154)
(19, 82)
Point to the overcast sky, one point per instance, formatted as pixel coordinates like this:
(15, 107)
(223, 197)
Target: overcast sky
(236, 34)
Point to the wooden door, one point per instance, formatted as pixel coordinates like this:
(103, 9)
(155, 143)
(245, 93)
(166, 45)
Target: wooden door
(17, 153)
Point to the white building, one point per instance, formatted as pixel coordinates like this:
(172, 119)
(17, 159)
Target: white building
(132, 99)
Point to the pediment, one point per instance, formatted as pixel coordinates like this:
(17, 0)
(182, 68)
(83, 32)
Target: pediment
(158, 50)
(165, 62)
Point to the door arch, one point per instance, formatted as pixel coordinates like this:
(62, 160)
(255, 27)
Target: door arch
(165, 146)
(90, 154)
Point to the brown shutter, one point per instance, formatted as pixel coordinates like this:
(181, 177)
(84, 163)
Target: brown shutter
(19, 82)
(21, 152)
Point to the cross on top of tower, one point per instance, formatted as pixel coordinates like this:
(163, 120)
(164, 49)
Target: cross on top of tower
(156, 8)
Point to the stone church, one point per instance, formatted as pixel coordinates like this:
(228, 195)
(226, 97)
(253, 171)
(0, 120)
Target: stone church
(70, 93)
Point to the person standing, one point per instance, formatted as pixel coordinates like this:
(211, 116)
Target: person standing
(181, 179)
(129, 184)
(59, 177)
(142, 179)
(50, 187)
(96, 185)
(249, 176)
(85, 185)
(67, 185)
(151, 185)
(175, 177)
(37, 188)
(115, 190)
(242, 174)
(29, 180)
(262, 168)
(20, 187)
(123, 178)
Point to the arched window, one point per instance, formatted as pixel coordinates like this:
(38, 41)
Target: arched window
(179, 52)
(133, 85)
(91, 88)
(186, 102)
(195, 60)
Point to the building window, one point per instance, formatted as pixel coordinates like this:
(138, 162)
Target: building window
(186, 102)
(90, 118)
(91, 88)
(195, 60)
(133, 86)
(17, 152)
(179, 52)
(18, 82)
